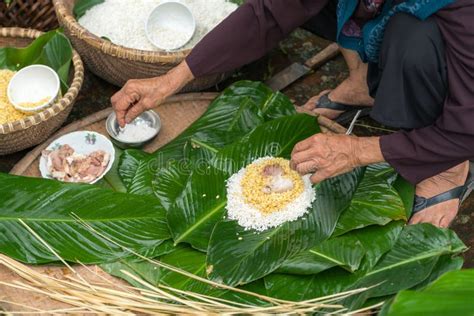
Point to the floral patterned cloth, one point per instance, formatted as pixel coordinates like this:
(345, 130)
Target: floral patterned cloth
(367, 9)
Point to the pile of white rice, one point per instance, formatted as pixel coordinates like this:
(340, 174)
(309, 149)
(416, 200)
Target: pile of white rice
(123, 21)
(250, 217)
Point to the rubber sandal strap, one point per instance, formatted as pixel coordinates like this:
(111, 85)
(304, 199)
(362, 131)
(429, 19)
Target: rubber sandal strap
(460, 193)
(422, 203)
(325, 103)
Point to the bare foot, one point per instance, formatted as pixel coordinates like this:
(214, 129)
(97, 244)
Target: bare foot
(443, 214)
(352, 91)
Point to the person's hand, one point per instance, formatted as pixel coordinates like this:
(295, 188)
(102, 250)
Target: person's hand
(327, 156)
(137, 96)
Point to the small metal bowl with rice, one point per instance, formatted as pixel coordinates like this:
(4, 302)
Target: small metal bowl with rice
(135, 134)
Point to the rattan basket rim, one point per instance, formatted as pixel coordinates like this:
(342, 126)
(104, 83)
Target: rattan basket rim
(61, 104)
(67, 20)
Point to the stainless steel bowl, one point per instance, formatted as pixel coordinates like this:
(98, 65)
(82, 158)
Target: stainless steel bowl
(151, 118)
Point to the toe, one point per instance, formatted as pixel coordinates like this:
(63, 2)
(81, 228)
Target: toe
(313, 102)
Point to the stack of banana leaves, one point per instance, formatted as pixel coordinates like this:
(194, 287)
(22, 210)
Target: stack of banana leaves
(171, 205)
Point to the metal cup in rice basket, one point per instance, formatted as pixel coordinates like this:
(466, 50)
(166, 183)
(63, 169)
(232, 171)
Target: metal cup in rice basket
(117, 64)
(38, 14)
(35, 129)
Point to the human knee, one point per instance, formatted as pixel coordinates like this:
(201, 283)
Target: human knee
(418, 43)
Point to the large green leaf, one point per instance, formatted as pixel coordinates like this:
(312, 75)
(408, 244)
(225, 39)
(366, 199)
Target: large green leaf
(82, 6)
(452, 294)
(345, 251)
(185, 259)
(198, 208)
(377, 240)
(52, 49)
(47, 207)
(136, 170)
(374, 240)
(170, 181)
(238, 110)
(444, 264)
(275, 138)
(238, 256)
(413, 257)
(409, 262)
(376, 202)
(203, 199)
(304, 287)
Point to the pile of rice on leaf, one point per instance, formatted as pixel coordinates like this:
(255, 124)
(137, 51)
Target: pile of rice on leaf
(267, 193)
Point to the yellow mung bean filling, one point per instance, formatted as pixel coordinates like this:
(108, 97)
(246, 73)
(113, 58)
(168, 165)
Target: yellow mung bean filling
(254, 182)
(35, 104)
(7, 112)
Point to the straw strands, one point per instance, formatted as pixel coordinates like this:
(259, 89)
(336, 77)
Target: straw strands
(106, 297)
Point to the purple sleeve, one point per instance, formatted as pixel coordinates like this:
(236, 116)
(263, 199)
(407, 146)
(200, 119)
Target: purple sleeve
(423, 153)
(249, 33)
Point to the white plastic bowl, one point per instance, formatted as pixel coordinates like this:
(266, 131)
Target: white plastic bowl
(172, 15)
(32, 84)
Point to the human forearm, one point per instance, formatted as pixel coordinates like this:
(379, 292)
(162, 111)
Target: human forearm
(249, 33)
(175, 79)
(367, 151)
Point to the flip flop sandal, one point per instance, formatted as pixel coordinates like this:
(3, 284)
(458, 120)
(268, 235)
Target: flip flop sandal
(349, 110)
(461, 193)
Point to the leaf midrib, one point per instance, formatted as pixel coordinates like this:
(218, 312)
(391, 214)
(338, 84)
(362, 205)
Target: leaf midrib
(29, 219)
(328, 258)
(413, 259)
(200, 221)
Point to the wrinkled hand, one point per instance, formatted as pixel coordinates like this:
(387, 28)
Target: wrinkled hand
(326, 156)
(138, 96)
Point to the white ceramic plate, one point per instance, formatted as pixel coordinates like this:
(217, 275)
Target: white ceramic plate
(83, 142)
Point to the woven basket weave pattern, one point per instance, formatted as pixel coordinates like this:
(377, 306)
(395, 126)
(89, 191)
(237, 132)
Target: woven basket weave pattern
(32, 130)
(34, 14)
(117, 64)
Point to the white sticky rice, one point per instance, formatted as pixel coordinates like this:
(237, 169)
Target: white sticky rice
(250, 217)
(123, 21)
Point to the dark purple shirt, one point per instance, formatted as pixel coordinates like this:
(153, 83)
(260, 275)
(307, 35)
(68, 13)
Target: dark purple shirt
(258, 25)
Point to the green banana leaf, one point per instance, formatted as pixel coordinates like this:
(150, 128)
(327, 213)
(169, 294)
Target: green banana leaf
(238, 256)
(363, 246)
(186, 259)
(52, 49)
(170, 182)
(444, 264)
(376, 187)
(376, 202)
(239, 109)
(345, 252)
(82, 6)
(452, 294)
(202, 202)
(136, 171)
(275, 138)
(414, 256)
(198, 208)
(48, 207)
(409, 262)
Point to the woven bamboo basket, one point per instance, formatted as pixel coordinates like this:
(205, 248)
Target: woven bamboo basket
(117, 64)
(32, 130)
(37, 14)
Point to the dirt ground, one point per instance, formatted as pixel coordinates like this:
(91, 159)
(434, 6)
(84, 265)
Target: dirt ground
(300, 46)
